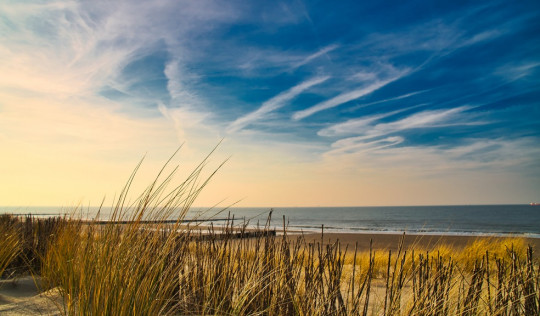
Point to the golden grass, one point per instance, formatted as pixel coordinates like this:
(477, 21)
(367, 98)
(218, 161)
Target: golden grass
(24, 241)
(150, 269)
(155, 268)
(136, 269)
(130, 269)
(10, 244)
(463, 257)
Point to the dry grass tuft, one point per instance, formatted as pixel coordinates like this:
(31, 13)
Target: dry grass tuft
(10, 245)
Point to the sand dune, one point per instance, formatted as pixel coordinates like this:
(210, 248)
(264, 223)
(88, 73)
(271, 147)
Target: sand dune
(21, 296)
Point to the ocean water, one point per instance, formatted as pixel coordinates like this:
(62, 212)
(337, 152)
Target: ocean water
(496, 220)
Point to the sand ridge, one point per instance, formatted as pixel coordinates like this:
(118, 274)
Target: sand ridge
(22, 296)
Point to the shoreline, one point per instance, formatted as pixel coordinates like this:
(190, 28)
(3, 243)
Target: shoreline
(382, 239)
(414, 233)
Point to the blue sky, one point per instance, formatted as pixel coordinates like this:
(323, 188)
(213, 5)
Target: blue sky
(411, 103)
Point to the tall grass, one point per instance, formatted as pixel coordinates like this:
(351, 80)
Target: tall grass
(125, 269)
(28, 238)
(10, 245)
(120, 270)
(139, 264)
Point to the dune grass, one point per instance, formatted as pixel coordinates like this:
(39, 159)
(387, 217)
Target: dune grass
(148, 266)
(121, 270)
(26, 238)
(10, 245)
(157, 268)
(464, 257)
(131, 269)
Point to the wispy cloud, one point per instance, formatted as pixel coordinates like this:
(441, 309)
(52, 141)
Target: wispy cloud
(350, 126)
(404, 96)
(474, 155)
(516, 71)
(274, 104)
(424, 119)
(358, 125)
(343, 98)
(355, 145)
(75, 50)
(368, 132)
(321, 52)
(182, 119)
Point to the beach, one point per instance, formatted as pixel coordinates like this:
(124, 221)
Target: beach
(22, 296)
(391, 241)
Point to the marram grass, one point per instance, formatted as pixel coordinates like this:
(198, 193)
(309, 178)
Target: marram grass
(120, 270)
(160, 269)
(149, 267)
(10, 243)
(131, 269)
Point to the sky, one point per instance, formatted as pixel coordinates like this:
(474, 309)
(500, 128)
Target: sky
(315, 103)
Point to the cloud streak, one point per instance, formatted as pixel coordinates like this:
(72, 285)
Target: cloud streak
(424, 119)
(274, 103)
(404, 96)
(355, 145)
(355, 126)
(343, 98)
(368, 132)
(471, 155)
(321, 52)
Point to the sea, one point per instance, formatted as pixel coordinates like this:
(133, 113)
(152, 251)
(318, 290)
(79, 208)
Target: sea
(468, 220)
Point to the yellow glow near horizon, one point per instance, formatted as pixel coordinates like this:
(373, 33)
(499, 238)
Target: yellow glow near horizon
(55, 152)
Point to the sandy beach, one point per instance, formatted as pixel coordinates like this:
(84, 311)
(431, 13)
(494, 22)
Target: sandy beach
(21, 296)
(391, 241)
